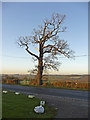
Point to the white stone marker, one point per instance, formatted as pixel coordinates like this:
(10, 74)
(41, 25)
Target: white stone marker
(42, 102)
(4, 91)
(17, 93)
(31, 96)
(39, 109)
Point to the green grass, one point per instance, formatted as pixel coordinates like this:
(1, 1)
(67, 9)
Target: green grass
(20, 106)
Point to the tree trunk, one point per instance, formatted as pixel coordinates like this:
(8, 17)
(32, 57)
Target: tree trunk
(40, 66)
(39, 74)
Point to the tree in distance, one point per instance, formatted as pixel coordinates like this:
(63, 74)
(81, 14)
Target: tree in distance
(49, 43)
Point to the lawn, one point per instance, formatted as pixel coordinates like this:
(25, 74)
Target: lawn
(20, 106)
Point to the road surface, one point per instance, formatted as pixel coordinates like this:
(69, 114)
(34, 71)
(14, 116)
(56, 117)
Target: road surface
(49, 91)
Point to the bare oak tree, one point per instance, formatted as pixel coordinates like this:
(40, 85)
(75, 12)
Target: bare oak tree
(49, 42)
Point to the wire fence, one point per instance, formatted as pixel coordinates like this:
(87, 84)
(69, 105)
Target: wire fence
(8, 56)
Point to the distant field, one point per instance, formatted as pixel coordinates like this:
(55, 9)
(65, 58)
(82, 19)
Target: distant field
(52, 78)
(81, 78)
(57, 81)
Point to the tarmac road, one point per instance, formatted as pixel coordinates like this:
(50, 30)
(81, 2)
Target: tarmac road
(49, 91)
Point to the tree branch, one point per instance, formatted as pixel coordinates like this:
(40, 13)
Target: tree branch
(32, 53)
(27, 49)
(55, 30)
(58, 49)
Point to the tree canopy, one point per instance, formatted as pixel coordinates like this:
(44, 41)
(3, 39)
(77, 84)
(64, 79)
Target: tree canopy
(47, 37)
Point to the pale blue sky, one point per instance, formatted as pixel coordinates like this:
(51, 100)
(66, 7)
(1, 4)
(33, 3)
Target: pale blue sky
(19, 19)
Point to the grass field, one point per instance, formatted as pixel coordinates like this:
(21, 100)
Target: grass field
(20, 106)
(74, 78)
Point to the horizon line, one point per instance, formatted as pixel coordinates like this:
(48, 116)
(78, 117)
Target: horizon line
(43, 74)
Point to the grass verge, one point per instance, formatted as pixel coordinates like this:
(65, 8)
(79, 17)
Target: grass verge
(41, 86)
(20, 106)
